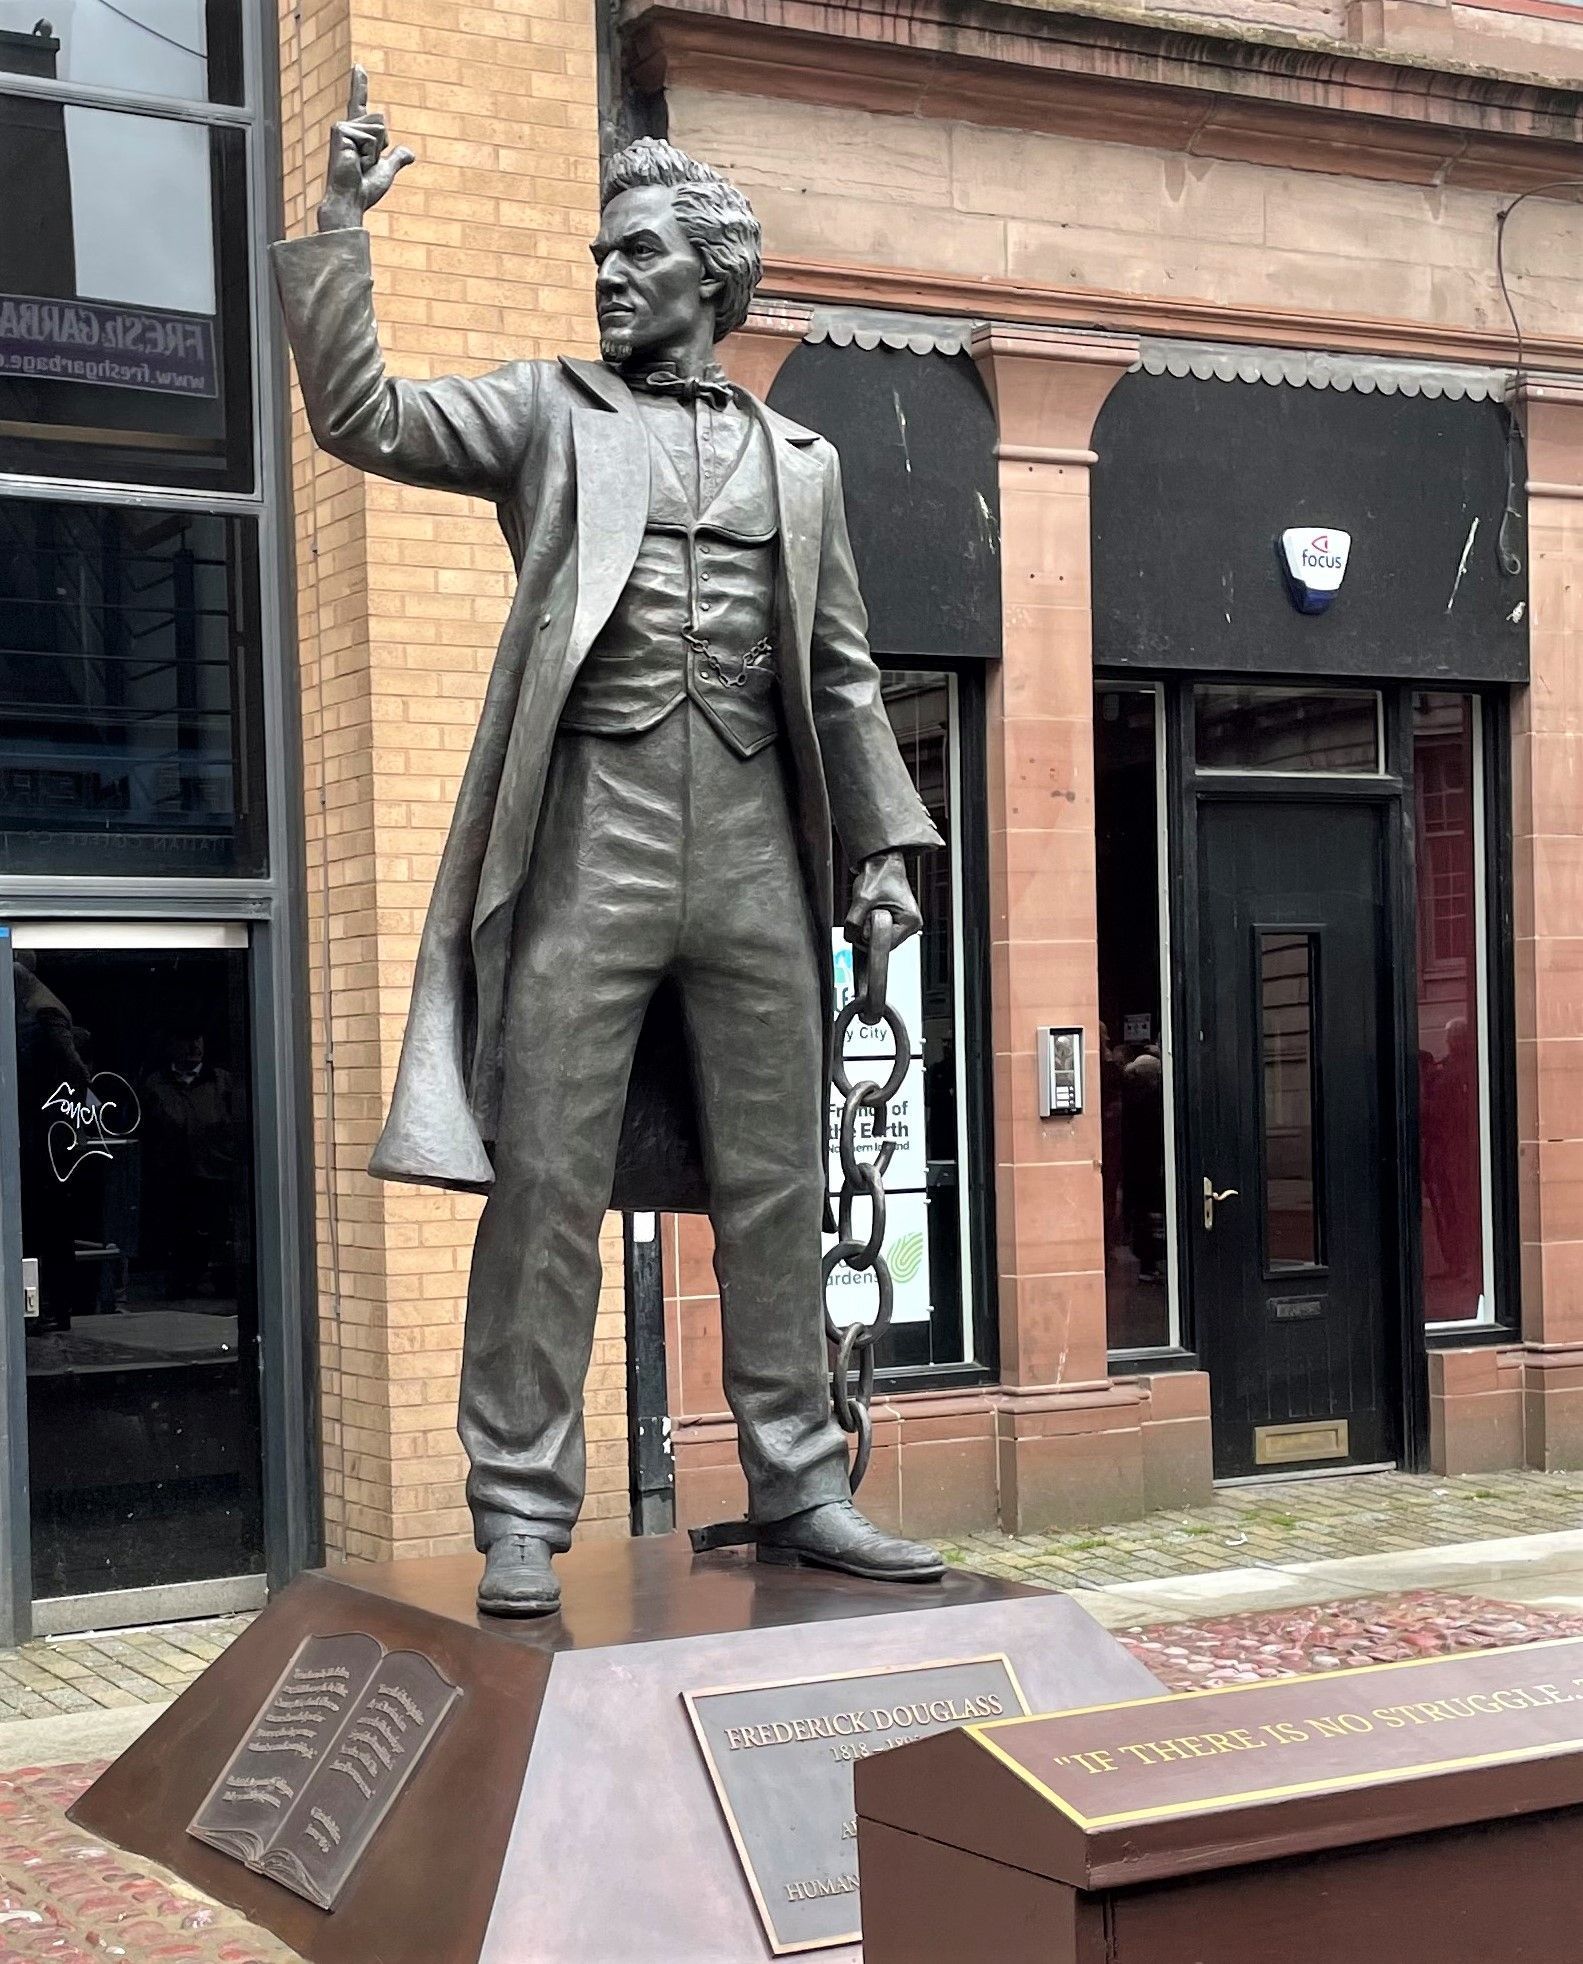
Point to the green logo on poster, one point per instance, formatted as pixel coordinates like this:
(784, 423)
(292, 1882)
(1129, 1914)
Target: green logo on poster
(906, 1258)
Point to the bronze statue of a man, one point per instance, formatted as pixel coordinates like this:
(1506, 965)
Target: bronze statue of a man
(623, 990)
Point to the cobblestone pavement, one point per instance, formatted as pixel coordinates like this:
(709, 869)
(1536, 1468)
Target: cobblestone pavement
(109, 1670)
(1274, 1526)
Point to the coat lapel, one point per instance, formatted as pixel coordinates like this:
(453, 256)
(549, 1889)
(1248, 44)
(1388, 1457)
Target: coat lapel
(612, 456)
(799, 499)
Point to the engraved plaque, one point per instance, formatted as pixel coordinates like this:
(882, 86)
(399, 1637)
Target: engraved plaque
(336, 1741)
(781, 1758)
(1119, 1768)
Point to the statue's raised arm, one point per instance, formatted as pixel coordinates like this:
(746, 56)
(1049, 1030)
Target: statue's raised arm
(458, 433)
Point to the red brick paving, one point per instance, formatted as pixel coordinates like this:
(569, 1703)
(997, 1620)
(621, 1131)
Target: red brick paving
(67, 1898)
(1339, 1636)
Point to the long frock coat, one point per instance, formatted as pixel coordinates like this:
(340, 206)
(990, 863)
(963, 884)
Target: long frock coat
(560, 450)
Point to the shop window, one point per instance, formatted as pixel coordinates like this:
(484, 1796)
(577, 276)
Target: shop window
(129, 691)
(928, 1241)
(1134, 1048)
(124, 297)
(1454, 1195)
(1310, 731)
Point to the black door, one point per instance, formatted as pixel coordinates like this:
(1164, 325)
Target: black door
(133, 1072)
(1291, 1197)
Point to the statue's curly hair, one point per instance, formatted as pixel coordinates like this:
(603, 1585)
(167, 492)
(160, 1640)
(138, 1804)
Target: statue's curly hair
(717, 220)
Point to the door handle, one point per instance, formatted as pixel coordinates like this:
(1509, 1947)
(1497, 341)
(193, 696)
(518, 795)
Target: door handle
(1211, 1197)
(30, 1290)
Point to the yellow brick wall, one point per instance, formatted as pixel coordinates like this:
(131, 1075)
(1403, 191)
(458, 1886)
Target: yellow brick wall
(480, 256)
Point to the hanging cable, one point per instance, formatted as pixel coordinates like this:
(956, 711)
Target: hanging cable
(153, 32)
(1510, 559)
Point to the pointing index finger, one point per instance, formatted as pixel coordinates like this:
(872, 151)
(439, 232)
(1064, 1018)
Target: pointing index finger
(357, 95)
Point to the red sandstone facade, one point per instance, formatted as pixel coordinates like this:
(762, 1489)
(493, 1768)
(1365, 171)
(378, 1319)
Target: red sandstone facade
(1287, 179)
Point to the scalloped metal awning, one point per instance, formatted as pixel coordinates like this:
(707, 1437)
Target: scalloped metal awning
(1303, 369)
(877, 327)
(1216, 361)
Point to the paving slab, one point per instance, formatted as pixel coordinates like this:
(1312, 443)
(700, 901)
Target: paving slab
(1287, 1524)
(70, 1738)
(1538, 1570)
(109, 1670)
(1224, 1591)
(1507, 1560)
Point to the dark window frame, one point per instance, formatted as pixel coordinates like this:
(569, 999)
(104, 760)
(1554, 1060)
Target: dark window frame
(977, 1168)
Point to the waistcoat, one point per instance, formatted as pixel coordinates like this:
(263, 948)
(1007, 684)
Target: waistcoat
(696, 618)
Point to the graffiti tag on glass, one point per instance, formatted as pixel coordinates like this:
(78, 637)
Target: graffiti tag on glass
(90, 1124)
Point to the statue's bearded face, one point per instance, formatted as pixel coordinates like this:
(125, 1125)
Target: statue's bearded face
(652, 290)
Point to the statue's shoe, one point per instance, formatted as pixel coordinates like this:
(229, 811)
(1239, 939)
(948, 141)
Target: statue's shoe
(518, 1579)
(837, 1536)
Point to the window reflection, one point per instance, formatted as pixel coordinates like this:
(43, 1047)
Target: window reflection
(1449, 1070)
(1131, 1045)
(1287, 1047)
(1328, 730)
(187, 49)
(124, 338)
(129, 664)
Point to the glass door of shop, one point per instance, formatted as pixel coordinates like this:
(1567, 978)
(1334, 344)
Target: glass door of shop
(132, 1291)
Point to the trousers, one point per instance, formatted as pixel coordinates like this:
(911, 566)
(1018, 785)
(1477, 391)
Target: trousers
(660, 857)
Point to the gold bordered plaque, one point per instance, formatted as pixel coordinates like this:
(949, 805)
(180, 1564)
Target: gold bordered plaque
(1166, 1759)
(781, 1758)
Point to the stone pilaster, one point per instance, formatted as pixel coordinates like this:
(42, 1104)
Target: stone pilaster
(1074, 1445)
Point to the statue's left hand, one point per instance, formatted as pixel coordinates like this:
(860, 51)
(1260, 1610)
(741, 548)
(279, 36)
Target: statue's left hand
(882, 882)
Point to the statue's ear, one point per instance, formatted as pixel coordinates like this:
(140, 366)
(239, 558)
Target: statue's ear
(711, 287)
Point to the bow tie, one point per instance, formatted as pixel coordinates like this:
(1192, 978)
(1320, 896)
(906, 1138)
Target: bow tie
(711, 387)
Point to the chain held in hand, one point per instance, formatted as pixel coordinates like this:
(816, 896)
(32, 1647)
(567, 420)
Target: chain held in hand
(852, 1344)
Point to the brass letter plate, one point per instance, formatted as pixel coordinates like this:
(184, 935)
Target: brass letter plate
(1286, 1445)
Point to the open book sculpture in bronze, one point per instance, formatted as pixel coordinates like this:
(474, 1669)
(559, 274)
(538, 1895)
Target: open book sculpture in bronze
(623, 991)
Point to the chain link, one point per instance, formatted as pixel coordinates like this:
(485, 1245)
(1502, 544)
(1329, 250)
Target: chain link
(852, 1344)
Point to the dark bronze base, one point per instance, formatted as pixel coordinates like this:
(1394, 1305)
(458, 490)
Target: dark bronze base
(565, 1812)
(1428, 1812)
(1506, 1892)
